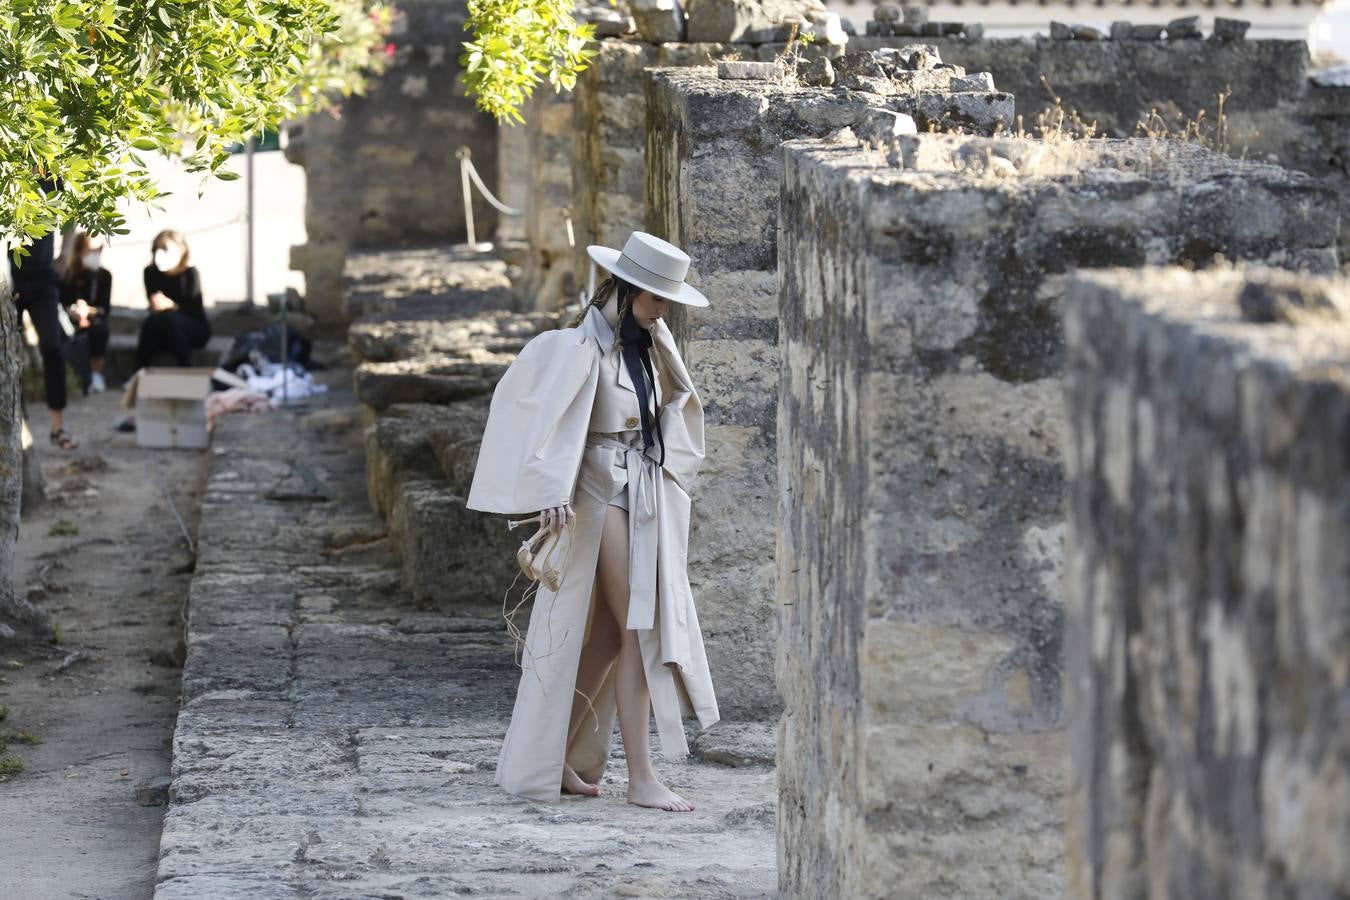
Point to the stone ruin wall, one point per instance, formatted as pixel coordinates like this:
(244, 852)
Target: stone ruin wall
(1208, 636)
(547, 280)
(610, 138)
(713, 173)
(1275, 113)
(384, 171)
(919, 435)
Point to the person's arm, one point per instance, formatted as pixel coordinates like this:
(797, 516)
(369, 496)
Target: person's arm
(156, 296)
(192, 302)
(104, 299)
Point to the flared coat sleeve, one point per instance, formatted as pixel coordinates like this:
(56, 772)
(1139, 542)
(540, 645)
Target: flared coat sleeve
(536, 427)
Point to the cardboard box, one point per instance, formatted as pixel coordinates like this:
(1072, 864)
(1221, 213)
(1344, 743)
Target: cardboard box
(170, 408)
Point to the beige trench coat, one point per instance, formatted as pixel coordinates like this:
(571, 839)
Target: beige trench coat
(530, 459)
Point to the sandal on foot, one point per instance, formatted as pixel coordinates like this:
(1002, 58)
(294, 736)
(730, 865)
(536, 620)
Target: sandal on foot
(61, 438)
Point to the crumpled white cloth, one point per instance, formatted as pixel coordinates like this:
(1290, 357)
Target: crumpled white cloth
(281, 384)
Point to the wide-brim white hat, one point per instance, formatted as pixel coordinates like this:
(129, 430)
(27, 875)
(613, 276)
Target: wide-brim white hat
(651, 264)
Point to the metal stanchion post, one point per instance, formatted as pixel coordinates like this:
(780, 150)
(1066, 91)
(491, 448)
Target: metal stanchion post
(248, 219)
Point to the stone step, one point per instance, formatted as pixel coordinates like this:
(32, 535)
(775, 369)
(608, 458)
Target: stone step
(448, 553)
(420, 459)
(439, 379)
(434, 326)
(381, 281)
(409, 442)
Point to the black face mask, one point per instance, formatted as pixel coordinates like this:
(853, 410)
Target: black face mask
(635, 344)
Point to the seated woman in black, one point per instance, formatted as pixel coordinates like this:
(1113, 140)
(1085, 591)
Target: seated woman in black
(86, 293)
(177, 322)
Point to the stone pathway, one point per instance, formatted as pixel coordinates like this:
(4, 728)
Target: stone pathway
(337, 741)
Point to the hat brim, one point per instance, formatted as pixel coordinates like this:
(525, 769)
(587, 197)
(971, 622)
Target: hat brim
(611, 261)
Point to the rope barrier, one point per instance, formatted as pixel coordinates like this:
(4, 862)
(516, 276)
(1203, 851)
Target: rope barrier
(468, 173)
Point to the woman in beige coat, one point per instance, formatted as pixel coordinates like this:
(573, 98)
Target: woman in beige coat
(599, 429)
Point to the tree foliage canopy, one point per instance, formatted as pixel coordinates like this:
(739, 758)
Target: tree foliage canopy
(516, 45)
(86, 86)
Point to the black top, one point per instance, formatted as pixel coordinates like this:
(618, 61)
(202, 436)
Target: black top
(185, 289)
(95, 288)
(36, 274)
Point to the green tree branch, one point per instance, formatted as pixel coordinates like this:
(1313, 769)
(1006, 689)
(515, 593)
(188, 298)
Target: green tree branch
(87, 87)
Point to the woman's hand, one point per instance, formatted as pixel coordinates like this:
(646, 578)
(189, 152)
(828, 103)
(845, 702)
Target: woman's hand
(159, 302)
(81, 311)
(554, 519)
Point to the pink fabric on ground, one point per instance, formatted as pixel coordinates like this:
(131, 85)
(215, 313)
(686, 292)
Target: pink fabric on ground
(234, 400)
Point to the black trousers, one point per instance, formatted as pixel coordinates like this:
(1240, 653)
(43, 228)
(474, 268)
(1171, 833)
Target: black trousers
(98, 336)
(41, 304)
(171, 332)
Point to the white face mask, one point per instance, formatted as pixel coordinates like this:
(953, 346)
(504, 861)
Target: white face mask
(91, 259)
(167, 258)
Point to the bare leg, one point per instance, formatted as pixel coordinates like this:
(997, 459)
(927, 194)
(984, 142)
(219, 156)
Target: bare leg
(630, 683)
(596, 659)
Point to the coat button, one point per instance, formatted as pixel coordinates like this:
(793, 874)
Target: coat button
(632, 422)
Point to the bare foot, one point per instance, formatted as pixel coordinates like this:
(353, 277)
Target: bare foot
(572, 784)
(655, 795)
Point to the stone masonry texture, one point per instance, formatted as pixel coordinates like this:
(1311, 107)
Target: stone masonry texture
(1275, 113)
(338, 741)
(434, 338)
(609, 127)
(548, 280)
(384, 172)
(1208, 590)
(713, 170)
(919, 433)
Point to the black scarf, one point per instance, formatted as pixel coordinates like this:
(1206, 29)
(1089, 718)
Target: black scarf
(635, 344)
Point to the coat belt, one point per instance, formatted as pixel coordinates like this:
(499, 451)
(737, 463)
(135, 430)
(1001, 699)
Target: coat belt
(643, 530)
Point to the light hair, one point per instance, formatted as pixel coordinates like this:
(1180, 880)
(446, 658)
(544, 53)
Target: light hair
(162, 239)
(602, 294)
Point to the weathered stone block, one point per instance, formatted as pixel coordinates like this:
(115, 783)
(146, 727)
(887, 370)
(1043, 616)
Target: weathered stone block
(658, 21)
(608, 21)
(712, 178)
(477, 566)
(548, 279)
(430, 379)
(1208, 619)
(920, 490)
(745, 20)
(1230, 29)
(419, 463)
(402, 444)
(1185, 28)
(889, 12)
(439, 279)
(817, 73)
(738, 70)
(424, 329)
